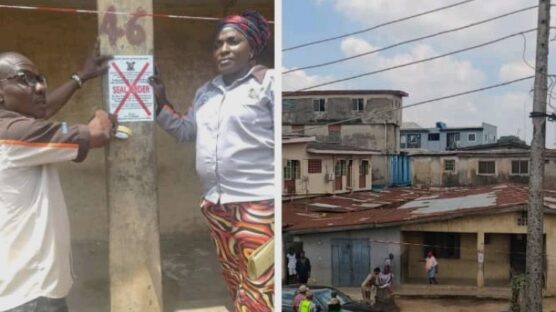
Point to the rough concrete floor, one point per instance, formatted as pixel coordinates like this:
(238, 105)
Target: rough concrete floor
(192, 279)
(460, 300)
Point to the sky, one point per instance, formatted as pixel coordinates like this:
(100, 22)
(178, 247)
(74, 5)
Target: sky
(506, 107)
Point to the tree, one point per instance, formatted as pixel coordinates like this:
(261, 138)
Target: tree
(510, 139)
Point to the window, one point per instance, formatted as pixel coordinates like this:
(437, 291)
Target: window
(292, 170)
(402, 141)
(487, 167)
(334, 133)
(450, 165)
(358, 104)
(520, 167)
(434, 136)
(471, 137)
(413, 140)
(443, 245)
(315, 166)
(340, 168)
(318, 105)
(364, 168)
(288, 105)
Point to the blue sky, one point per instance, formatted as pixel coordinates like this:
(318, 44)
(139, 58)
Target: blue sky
(506, 107)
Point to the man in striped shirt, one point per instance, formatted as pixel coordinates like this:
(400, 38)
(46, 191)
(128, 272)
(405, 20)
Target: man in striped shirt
(35, 269)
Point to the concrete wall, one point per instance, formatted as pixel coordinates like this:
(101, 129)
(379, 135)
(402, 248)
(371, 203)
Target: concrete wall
(464, 268)
(486, 136)
(317, 183)
(369, 133)
(318, 248)
(58, 44)
(495, 259)
(377, 109)
(429, 170)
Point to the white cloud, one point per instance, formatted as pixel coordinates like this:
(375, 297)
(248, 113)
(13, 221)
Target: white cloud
(300, 79)
(515, 70)
(353, 46)
(318, 2)
(424, 80)
(506, 107)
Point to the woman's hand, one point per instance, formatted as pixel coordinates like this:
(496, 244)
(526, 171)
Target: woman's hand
(158, 86)
(159, 90)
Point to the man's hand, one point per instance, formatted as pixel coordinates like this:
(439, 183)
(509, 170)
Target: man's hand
(95, 64)
(101, 128)
(159, 89)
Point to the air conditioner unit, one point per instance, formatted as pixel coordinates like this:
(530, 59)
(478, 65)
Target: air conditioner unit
(329, 177)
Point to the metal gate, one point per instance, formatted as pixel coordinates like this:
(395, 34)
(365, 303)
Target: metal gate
(400, 170)
(350, 261)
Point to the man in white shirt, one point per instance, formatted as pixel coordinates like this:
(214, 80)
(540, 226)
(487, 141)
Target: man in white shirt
(35, 266)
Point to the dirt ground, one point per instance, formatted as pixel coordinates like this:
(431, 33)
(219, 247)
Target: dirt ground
(461, 305)
(191, 276)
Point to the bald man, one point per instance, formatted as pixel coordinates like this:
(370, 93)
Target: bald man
(35, 268)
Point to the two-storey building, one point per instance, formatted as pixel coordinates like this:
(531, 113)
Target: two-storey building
(443, 138)
(366, 119)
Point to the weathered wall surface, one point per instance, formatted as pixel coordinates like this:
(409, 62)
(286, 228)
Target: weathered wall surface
(429, 170)
(464, 268)
(318, 248)
(317, 183)
(496, 261)
(58, 44)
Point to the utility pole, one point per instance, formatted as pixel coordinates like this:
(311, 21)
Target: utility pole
(535, 217)
(131, 175)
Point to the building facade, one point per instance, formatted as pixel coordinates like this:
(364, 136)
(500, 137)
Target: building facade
(367, 119)
(312, 168)
(443, 138)
(478, 234)
(489, 164)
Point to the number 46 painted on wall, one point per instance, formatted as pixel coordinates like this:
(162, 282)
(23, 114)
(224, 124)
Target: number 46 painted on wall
(133, 31)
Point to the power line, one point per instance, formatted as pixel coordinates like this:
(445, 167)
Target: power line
(376, 26)
(418, 61)
(421, 103)
(96, 12)
(410, 41)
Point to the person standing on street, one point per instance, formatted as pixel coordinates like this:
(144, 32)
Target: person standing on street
(368, 287)
(292, 261)
(307, 304)
(299, 296)
(431, 267)
(303, 268)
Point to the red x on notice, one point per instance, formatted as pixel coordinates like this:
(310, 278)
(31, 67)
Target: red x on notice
(131, 88)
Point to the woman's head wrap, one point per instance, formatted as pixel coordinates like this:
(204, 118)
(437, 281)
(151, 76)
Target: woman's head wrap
(252, 25)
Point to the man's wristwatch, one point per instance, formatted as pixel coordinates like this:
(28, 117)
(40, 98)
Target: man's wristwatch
(76, 78)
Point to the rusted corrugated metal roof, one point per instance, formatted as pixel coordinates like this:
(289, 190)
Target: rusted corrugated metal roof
(398, 206)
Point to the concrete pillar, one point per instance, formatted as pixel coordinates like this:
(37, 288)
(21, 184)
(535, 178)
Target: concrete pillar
(480, 259)
(134, 247)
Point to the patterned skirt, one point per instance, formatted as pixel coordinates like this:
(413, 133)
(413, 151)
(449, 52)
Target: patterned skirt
(238, 229)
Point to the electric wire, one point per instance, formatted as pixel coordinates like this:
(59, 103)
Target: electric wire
(420, 103)
(376, 26)
(408, 41)
(418, 61)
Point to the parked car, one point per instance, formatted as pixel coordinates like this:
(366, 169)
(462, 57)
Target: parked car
(322, 295)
